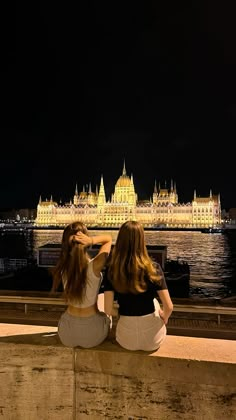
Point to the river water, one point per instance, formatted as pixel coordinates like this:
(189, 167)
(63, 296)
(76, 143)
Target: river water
(211, 257)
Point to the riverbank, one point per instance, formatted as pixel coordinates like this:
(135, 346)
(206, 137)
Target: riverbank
(20, 227)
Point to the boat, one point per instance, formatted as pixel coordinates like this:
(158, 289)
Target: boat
(213, 230)
(177, 272)
(177, 275)
(36, 275)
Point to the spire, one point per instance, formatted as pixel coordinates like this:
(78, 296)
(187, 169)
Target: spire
(194, 195)
(155, 187)
(171, 185)
(76, 189)
(51, 199)
(90, 189)
(40, 199)
(101, 195)
(210, 193)
(132, 181)
(124, 169)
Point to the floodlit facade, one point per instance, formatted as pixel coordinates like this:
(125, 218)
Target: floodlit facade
(162, 210)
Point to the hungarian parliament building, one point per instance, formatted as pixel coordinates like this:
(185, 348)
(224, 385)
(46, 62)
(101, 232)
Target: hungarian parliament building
(162, 210)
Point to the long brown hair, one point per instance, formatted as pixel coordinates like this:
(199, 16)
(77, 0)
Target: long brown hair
(130, 263)
(72, 263)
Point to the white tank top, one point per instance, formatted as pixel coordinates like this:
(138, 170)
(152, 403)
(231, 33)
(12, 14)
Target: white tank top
(91, 290)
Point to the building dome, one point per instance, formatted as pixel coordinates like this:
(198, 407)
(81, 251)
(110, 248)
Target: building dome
(124, 181)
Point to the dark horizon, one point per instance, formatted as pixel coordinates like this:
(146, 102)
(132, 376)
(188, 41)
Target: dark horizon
(184, 196)
(151, 83)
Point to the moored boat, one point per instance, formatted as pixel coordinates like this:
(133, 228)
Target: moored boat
(213, 230)
(36, 276)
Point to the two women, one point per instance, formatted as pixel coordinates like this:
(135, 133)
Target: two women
(132, 278)
(136, 282)
(82, 324)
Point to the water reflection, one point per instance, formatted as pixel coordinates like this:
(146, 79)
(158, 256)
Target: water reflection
(211, 257)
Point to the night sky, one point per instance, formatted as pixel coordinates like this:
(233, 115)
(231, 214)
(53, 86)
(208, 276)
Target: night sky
(88, 86)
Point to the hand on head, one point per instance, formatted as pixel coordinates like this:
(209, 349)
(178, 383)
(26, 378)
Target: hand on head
(83, 239)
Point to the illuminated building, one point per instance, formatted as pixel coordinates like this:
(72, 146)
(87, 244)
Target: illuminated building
(163, 209)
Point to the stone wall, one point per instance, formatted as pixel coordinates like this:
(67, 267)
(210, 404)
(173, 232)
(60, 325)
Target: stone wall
(188, 378)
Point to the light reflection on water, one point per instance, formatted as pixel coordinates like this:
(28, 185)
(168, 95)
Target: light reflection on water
(211, 257)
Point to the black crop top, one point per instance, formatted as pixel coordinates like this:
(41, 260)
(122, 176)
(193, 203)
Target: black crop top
(131, 304)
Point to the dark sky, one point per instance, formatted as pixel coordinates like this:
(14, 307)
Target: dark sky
(86, 86)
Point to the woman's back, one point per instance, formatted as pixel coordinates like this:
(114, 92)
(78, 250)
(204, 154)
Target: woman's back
(136, 282)
(91, 290)
(82, 324)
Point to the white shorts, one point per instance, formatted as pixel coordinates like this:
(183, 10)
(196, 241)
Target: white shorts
(145, 332)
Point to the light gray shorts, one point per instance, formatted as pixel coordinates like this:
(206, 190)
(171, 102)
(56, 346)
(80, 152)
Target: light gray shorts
(141, 332)
(85, 332)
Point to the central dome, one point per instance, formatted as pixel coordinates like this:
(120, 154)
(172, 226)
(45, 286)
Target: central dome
(124, 181)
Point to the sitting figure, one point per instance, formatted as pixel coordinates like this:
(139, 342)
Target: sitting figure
(82, 324)
(136, 282)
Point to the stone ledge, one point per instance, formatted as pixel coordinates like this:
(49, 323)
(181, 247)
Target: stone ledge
(182, 347)
(187, 378)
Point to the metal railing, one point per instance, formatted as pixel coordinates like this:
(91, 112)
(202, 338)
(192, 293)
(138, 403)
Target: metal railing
(59, 301)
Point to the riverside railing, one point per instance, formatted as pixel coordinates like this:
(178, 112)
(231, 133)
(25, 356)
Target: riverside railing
(59, 301)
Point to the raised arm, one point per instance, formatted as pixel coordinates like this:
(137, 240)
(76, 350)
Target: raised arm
(104, 240)
(101, 258)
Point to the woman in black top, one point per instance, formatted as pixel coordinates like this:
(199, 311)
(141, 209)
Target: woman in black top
(136, 281)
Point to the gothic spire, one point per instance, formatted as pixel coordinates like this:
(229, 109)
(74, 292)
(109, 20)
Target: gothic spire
(155, 187)
(124, 169)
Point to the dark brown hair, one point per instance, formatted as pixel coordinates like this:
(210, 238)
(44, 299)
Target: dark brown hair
(72, 263)
(130, 263)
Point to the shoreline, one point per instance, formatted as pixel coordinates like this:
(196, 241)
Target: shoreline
(23, 228)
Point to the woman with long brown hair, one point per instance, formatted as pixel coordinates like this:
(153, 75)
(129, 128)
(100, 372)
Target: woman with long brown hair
(82, 324)
(138, 284)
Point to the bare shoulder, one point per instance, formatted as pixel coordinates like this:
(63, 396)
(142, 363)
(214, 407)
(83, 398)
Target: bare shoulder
(99, 262)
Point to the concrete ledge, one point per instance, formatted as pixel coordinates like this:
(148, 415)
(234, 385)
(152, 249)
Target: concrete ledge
(187, 378)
